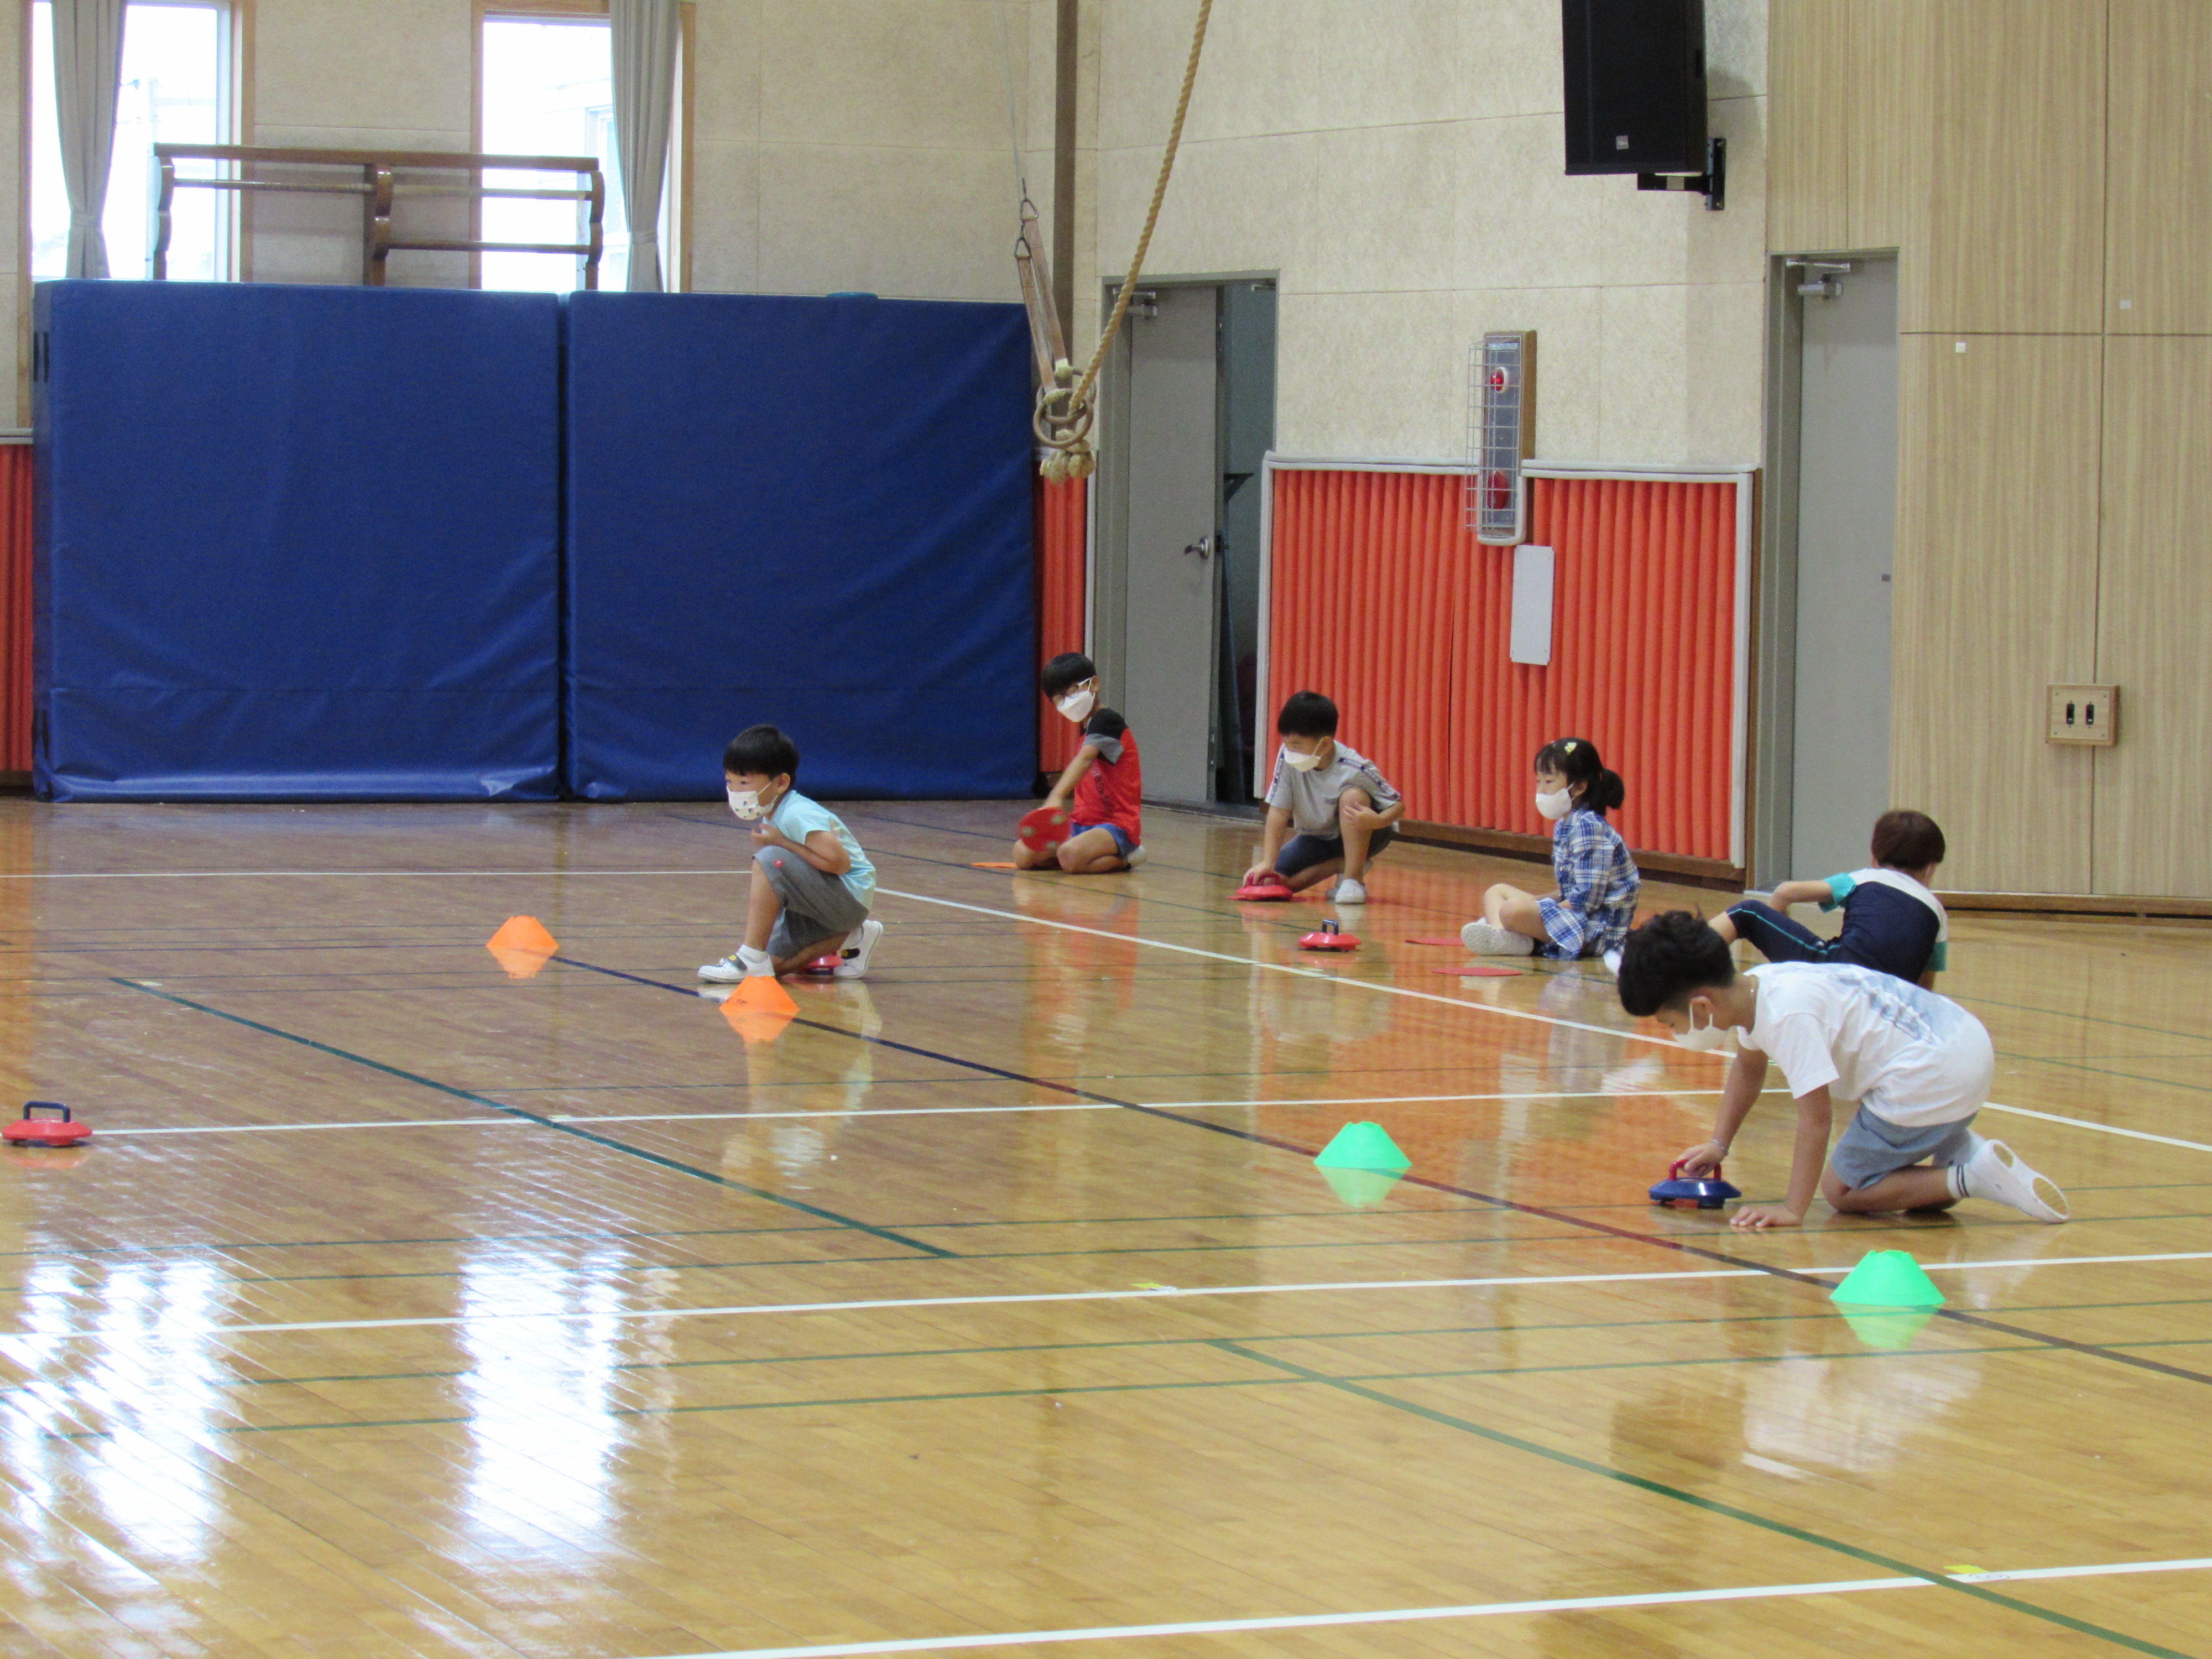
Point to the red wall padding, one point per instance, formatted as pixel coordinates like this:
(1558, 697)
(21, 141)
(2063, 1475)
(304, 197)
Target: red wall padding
(15, 607)
(1383, 599)
(1061, 530)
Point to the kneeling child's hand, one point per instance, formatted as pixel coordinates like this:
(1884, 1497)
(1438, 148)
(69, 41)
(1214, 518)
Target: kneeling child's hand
(1756, 1216)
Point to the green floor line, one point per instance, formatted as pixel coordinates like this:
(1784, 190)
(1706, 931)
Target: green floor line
(1104, 1252)
(1713, 1506)
(1229, 1343)
(1195, 1341)
(608, 1142)
(382, 1244)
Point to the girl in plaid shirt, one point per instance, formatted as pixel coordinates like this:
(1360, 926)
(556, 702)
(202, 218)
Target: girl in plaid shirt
(1595, 905)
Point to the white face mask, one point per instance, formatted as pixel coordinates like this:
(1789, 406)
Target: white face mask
(746, 804)
(1298, 763)
(1701, 1039)
(1078, 704)
(1556, 805)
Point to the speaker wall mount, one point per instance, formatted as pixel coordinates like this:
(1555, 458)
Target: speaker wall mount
(1711, 184)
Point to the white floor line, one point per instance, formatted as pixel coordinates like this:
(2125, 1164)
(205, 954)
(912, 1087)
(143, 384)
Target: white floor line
(277, 1129)
(1284, 968)
(1408, 1615)
(858, 1111)
(380, 875)
(2101, 1128)
(1166, 1292)
(2046, 1262)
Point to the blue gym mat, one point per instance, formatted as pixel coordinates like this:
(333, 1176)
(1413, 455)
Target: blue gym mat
(815, 512)
(295, 543)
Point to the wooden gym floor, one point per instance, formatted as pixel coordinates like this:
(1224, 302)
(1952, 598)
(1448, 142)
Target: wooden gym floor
(401, 1307)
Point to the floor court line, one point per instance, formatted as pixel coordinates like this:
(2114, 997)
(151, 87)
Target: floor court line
(381, 875)
(1477, 1610)
(523, 1115)
(1076, 1106)
(1284, 968)
(858, 1111)
(1168, 1292)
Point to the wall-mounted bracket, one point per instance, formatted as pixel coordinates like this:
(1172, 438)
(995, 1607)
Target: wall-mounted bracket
(1711, 184)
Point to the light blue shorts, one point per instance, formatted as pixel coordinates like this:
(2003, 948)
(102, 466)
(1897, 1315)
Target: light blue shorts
(1122, 844)
(1871, 1147)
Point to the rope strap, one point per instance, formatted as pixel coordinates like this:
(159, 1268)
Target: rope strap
(1065, 409)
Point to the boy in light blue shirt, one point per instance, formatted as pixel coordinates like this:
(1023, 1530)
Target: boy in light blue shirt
(812, 886)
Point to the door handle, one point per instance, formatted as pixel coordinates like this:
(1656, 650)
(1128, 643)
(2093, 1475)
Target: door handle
(1203, 547)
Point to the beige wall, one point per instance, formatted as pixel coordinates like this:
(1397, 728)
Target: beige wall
(2043, 167)
(1396, 162)
(1399, 164)
(862, 144)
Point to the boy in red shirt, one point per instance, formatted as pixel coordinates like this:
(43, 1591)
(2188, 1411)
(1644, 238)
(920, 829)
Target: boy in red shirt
(1103, 787)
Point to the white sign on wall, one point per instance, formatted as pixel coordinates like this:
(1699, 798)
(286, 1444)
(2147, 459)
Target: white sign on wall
(1532, 605)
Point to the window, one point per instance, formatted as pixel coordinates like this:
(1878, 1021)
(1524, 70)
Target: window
(549, 90)
(172, 92)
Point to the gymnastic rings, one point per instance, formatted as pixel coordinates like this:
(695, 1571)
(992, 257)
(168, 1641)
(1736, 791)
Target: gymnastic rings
(1063, 424)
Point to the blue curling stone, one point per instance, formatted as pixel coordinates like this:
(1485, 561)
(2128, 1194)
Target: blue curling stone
(1706, 1192)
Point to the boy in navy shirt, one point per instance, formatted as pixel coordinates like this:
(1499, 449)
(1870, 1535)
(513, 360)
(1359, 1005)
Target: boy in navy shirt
(1892, 922)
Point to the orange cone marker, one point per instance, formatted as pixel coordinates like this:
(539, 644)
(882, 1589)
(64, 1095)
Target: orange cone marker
(522, 946)
(754, 1024)
(762, 991)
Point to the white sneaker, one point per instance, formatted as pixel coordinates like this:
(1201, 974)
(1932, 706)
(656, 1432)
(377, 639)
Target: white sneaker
(857, 952)
(1994, 1170)
(1348, 891)
(740, 964)
(1137, 856)
(1482, 939)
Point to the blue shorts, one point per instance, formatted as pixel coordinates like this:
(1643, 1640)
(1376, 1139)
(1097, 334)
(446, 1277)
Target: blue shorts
(1302, 852)
(1871, 1147)
(1122, 844)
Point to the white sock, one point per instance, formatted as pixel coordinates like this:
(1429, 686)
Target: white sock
(758, 961)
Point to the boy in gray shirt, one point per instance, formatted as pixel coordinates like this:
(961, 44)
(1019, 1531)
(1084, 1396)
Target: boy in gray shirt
(1341, 807)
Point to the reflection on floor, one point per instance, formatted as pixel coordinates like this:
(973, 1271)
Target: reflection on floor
(402, 1305)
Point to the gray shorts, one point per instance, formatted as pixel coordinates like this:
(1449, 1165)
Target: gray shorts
(818, 907)
(1871, 1147)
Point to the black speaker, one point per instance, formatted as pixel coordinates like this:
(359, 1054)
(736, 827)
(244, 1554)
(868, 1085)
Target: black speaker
(1636, 85)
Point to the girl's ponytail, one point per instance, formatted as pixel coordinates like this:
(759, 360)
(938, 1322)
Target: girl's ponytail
(1606, 792)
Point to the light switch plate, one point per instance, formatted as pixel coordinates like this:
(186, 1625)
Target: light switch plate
(2085, 715)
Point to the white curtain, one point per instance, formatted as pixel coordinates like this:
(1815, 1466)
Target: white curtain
(88, 70)
(646, 33)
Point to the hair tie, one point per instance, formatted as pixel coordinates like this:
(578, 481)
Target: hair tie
(1568, 747)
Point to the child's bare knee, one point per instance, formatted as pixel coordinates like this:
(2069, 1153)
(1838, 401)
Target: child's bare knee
(1351, 803)
(1070, 860)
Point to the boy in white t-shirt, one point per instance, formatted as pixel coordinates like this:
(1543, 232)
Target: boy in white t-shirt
(1917, 1066)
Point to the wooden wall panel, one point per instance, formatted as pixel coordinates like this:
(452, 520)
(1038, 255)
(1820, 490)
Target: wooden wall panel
(2159, 177)
(2155, 786)
(1807, 70)
(2008, 228)
(1996, 572)
(1884, 117)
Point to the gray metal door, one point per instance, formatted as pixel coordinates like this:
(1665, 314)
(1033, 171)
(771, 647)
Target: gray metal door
(1169, 675)
(1846, 540)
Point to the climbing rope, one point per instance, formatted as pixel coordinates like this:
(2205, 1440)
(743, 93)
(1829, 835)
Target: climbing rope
(1065, 406)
